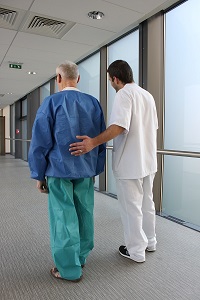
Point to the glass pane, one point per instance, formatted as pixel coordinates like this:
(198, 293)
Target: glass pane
(181, 192)
(24, 108)
(181, 189)
(56, 87)
(126, 49)
(111, 183)
(12, 129)
(24, 137)
(90, 75)
(89, 82)
(182, 84)
(44, 92)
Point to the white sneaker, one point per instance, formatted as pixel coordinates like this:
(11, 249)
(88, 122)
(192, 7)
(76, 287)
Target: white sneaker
(151, 248)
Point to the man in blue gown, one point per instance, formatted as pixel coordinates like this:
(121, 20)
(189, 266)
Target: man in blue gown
(68, 180)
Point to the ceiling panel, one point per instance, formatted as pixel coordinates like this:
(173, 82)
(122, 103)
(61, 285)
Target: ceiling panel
(87, 35)
(45, 44)
(21, 4)
(6, 36)
(142, 6)
(3, 51)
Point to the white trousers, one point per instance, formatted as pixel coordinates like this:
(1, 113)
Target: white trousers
(137, 211)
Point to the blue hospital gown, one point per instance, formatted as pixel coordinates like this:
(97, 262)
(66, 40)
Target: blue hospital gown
(59, 119)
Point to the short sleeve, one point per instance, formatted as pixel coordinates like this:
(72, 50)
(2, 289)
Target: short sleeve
(122, 110)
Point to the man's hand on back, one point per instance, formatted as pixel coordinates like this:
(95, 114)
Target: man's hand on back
(83, 147)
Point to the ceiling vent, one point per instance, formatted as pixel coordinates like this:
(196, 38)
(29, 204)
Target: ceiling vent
(7, 15)
(10, 18)
(42, 25)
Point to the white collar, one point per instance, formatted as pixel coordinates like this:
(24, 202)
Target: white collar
(70, 88)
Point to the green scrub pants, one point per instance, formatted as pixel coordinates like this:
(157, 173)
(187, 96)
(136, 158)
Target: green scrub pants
(71, 205)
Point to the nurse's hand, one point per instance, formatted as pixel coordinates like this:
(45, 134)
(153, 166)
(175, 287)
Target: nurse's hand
(42, 186)
(83, 147)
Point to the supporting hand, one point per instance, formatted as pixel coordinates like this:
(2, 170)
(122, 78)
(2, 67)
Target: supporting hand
(83, 147)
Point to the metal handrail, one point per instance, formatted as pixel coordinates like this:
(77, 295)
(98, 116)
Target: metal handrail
(179, 153)
(162, 152)
(172, 152)
(22, 140)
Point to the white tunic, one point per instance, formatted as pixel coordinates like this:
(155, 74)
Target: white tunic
(134, 151)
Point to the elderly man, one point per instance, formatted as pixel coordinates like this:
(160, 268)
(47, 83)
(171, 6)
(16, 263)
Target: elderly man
(67, 180)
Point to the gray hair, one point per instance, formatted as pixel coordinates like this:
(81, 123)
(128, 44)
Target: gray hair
(68, 70)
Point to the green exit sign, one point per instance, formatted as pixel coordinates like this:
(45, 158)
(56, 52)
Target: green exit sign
(15, 66)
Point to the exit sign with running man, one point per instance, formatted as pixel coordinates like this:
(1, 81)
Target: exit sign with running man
(15, 66)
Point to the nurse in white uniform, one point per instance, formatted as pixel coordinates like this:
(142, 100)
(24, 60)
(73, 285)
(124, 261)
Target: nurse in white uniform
(133, 126)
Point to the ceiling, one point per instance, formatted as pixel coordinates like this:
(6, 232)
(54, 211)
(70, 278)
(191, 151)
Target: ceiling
(27, 38)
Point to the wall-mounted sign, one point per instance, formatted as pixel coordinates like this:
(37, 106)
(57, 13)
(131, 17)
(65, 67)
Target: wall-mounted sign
(15, 66)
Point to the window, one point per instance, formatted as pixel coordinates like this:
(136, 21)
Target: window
(90, 75)
(44, 91)
(89, 83)
(181, 191)
(24, 108)
(126, 49)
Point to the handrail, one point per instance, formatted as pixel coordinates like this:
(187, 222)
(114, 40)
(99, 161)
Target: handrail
(172, 152)
(159, 151)
(22, 140)
(179, 153)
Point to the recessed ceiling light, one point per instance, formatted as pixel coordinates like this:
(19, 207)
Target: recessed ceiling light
(9, 93)
(32, 73)
(96, 15)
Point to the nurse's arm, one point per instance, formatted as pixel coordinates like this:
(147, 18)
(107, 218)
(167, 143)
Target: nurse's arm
(88, 143)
